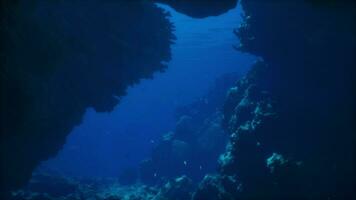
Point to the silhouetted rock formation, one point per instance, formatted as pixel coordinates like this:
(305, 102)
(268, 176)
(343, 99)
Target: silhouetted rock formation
(194, 146)
(60, 58)
(291, 118)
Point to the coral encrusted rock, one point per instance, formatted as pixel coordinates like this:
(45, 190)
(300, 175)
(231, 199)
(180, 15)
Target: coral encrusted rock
(58, 59)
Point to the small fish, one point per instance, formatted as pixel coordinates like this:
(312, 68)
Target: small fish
(152, 141)
(200, 167)
(185, 163)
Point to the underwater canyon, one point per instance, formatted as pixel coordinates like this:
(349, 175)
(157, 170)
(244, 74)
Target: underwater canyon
(283, 130)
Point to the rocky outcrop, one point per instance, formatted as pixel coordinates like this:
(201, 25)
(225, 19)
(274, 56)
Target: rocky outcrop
(59, 58)
(194, 146)
(291, 118)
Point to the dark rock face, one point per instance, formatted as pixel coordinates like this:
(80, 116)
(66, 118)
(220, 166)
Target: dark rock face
(58, 59)
(194, 146)
(291, 119)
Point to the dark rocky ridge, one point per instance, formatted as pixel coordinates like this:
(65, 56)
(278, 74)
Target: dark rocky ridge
(292, 118)
(58, 58)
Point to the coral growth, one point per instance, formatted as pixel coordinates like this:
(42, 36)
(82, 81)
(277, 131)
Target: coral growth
(194, 146)
(292, 116)
(50, 187)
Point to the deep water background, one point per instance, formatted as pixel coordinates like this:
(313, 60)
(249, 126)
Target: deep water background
(107, 143)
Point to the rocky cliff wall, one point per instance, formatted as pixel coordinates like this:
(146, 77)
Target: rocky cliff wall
(292, 118)
(58, 59)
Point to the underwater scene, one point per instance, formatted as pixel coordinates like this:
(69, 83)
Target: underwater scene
(177, 99)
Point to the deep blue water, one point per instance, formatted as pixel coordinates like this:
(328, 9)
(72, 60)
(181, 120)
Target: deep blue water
(211, 123)
(106, 143)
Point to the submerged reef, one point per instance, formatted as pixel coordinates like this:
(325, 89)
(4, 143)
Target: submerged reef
(291, 119)
(194, 146)
(57, 187)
